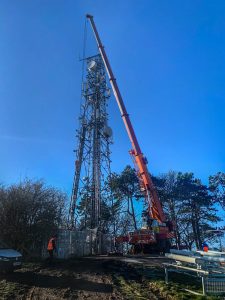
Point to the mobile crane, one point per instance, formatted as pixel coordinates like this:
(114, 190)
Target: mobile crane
(157, 232)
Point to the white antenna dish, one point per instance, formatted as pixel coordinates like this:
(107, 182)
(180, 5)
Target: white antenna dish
(92, 65)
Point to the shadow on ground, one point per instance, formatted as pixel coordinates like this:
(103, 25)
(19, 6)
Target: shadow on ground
(48, 281)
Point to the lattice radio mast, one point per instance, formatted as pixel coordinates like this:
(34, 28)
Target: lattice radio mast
(92, 165)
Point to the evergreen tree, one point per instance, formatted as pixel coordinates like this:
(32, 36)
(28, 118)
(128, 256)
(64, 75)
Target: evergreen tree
(189, 204)
(198, 211)
(125, 189)
(166, 185)
(217, 187)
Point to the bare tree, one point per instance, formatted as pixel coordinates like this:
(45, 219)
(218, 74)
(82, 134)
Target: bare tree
(29, 212)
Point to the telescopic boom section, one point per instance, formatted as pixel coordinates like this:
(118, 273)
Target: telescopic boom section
(154, 205)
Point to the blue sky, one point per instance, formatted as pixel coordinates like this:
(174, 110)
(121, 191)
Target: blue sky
(168, 58)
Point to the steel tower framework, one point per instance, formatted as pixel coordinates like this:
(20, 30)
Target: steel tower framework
(92, 164)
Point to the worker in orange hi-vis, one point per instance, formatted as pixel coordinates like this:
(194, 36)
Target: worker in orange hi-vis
(51, 247)
(205, 247)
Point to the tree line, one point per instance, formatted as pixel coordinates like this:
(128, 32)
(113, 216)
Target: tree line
(194, 208)
(31, 211)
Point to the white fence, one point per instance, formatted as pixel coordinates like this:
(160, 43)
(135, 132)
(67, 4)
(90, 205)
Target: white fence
(82, 243)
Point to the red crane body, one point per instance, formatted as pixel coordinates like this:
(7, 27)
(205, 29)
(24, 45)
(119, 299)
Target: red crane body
(155, 210)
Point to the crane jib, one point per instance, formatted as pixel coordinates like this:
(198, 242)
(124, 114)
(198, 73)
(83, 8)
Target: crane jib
(155, 208)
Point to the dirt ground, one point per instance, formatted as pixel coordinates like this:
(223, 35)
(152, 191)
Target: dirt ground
(84, 278)
(89, 278)
(73, 279)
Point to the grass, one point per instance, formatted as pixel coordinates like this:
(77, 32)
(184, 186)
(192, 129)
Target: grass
(149, 283)
(131, 289)
(9, 289)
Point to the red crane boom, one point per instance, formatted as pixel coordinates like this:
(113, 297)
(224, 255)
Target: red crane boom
(154, 205)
